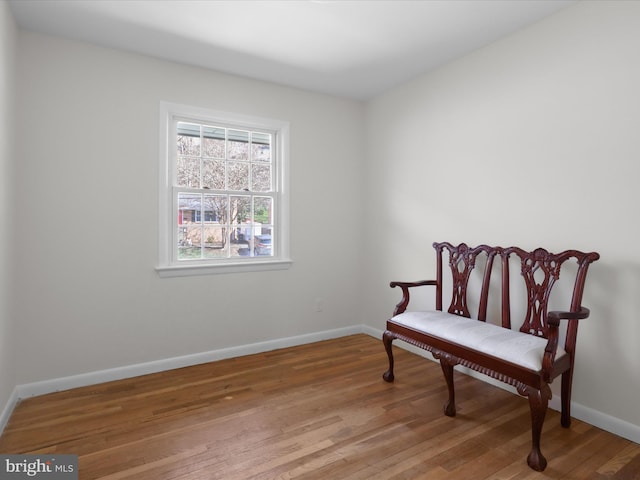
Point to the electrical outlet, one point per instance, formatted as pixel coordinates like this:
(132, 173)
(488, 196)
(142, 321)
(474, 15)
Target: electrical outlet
(319, 304)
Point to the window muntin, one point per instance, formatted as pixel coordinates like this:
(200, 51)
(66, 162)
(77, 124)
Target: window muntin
(224, 202)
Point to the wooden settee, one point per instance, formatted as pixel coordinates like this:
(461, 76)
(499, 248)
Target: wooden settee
(529, 357)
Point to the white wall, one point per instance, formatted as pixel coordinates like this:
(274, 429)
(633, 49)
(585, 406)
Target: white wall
(88, 147)
(531, 141)
(8, 35)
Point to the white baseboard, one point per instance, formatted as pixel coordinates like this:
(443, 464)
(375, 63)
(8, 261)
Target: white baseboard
(8, 409)
(622, 428)
(594, 417)
(129, 371)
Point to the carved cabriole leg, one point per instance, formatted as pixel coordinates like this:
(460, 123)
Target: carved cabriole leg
(450, 406)
(447, 362)
(538, 401)
(565, 399)
(387, 338)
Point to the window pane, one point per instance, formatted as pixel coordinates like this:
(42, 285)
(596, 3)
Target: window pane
(216, 244)
(240, 238)
(260, 147)
(188, 139)
(189, 208)
(213, 138)
(261, 177)
(238, 145)
(262, 244)
(213, 174)
(238, 176)
(188, 172)
(240, 209)
(189, 243)
(262, 210)
(215, 209)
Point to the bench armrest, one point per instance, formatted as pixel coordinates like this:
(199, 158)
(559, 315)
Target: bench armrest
(405, 286)
(553, 318)
(553, 321)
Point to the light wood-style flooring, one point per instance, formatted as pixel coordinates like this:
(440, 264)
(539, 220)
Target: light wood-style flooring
(317, 411)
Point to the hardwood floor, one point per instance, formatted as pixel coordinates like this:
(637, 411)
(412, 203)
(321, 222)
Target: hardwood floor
(318, 411)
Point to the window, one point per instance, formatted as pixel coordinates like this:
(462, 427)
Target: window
(223, 192)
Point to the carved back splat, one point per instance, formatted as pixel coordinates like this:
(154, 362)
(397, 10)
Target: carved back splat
(540, 270)
(462, 261)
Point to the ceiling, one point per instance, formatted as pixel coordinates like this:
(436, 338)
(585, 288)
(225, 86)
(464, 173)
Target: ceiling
(350, 48)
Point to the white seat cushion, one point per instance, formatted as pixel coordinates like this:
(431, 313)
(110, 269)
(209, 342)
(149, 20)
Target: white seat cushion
(510, 345)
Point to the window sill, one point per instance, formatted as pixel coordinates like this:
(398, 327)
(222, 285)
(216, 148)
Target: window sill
(237, 267)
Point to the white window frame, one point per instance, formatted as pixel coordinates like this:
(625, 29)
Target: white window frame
(168, 264)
